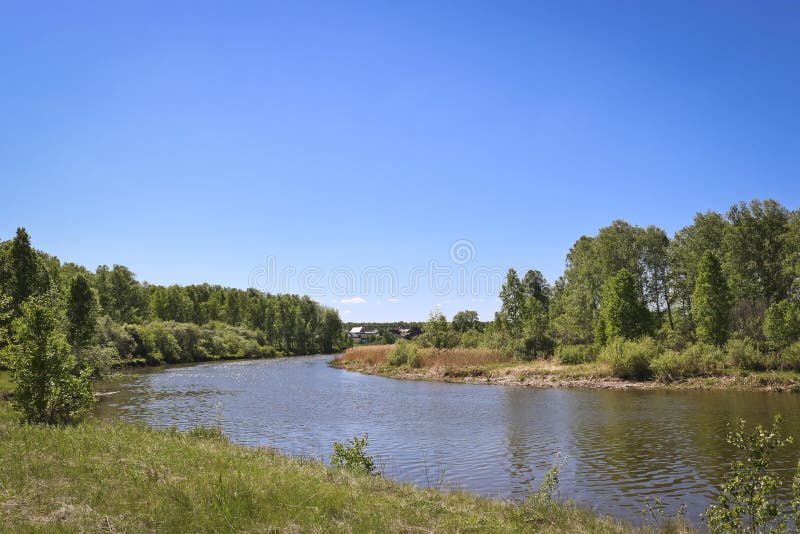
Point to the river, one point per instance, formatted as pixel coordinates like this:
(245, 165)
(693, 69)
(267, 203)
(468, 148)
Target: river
(620, 446)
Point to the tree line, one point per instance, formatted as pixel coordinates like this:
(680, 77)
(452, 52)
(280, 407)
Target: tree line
(726, 282)
(109, 315)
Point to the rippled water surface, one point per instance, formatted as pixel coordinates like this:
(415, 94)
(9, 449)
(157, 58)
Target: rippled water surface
(622, 446)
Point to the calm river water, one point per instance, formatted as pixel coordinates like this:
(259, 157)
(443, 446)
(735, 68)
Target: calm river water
(622, 446)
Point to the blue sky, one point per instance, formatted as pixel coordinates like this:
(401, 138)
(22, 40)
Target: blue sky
(324, 143)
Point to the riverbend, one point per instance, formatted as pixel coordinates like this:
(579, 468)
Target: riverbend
(622, 446)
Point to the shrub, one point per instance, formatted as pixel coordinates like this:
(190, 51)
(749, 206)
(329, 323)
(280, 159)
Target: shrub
(414, 359)
(470, 339)
(748, 498)
(575, 354)
(782, 323)
(402, 352)
(207, 432)
(790, 357)
(110, 333)
(744, 354)
(99, 359)
(699, 359)
(351, 455)
(49, 386)
(630, 359)
(678, 336)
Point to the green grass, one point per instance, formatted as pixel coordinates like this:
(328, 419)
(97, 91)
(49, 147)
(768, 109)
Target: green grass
(5, 381)
(113, 477)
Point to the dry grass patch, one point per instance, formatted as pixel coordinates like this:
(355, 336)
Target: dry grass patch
(368, 354)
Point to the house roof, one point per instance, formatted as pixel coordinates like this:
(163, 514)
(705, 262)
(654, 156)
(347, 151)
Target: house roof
(357, 330)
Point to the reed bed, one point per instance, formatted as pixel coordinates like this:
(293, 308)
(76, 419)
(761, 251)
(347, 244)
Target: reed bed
(458, 357)
(369, 354)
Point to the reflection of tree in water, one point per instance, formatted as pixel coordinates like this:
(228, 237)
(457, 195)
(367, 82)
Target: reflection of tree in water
(667, 444)
(722, 408)
(538, 428)
(634, 444)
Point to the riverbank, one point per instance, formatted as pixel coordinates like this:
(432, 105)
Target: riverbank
(483, 368)
(112, 476)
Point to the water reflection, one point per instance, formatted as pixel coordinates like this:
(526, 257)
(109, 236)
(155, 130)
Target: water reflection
(622, 446)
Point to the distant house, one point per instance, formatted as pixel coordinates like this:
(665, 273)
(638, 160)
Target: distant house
(356, 331)
(359, 333)
(408, 333)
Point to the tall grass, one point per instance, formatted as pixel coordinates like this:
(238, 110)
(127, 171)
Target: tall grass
(457, 357)
(117, 477)
(369, 354)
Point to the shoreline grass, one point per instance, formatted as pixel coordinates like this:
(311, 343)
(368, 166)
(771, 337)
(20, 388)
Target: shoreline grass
(115, 476)
(491, 367)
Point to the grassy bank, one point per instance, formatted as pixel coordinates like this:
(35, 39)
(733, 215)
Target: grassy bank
(5, 381)
(113, 476)
(483, 366)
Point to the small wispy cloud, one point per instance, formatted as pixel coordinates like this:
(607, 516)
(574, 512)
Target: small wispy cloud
(347, 312)
(354, 300)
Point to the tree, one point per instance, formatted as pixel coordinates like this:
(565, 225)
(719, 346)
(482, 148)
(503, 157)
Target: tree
(81, 314)
(791, 262)
(26, 277)
(512, 296)
(621, 308)
(535, 286)
(686, 252)
(465, 320)
(711, 302)
(656, 271)
(49, 388)
(782, 323)
(754, 250)
(436, 331)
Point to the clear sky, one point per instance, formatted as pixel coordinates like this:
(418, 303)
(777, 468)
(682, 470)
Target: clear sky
(340, 148)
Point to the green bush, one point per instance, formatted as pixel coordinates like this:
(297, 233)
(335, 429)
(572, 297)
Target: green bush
(470, 339)
(414, 358)
(351, 455)
(403, 352)
(575, 354)
(50, 388)
(790, 357)
(630, 359)
(749, 498)
(782, 324)
(699, 359)
(744, 354)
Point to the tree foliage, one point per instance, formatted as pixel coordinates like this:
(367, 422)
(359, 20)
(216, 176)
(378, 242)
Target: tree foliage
(49, 387)
(465, 320)
(711, 303)
(82, 309)
(748, 499)
(623, 313)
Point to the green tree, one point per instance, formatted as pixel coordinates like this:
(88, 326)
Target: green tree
(26, 276)
(686, 252)
(512, 309)
(437, 332)
(782, 323)
(621, 309)
(754, 250)
(82, 308)
(535, 286)
(49, 388)
(465, 320)
(791, 262)
(711, 302)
